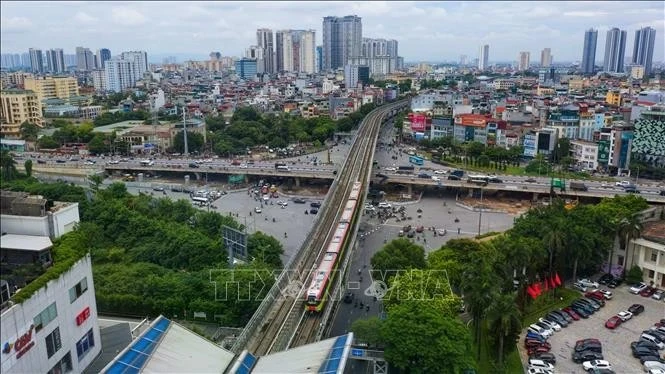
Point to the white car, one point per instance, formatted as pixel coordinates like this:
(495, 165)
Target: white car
(553, 325)
(623, 183)
(588, 283)
(257, 210)
(637, 288)
(545, 333)
(282, 203)
(655, 370)
(654, 365)
(538, 371)
(390, 169)
(384, 205)
(625, 315)
(440, 172)
(540, 364)
(596, 364)
(114, 162)
(435, 178)
(607, 294)
(579, 286)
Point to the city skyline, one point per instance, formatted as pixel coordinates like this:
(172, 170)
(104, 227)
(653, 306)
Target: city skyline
(194, 29)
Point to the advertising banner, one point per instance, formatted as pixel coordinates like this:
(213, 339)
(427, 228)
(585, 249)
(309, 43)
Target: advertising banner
(604, 151)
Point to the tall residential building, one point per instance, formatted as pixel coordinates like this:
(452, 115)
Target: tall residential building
(645, 40)
(52, 87)
(99, 80)
(50, 61)
(102, 56)
(120, 74)
(615, 48)
(354, 74)
(483, 57)
(141, 60)
(546, 58)
(36, 60)
(265, 40)
(342, 37)
(589, 52)
(392, 48)
(380, 55)
(16, 107)
(524, 61)
(85, 60)
(319, 58)
(296, 51)
(279, 51)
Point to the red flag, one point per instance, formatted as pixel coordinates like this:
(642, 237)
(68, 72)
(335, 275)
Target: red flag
(536, 288)
(557, 279)
(550, 280)
(531, 292)
(547, 285)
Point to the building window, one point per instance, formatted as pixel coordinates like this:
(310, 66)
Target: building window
(654, 255)
(78, 290)
(53, 343)
(46, 316)
(651, 274)
(63, 366)
(84, 345)
(620, 260)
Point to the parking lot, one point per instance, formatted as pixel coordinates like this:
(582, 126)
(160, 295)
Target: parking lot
(615, 343)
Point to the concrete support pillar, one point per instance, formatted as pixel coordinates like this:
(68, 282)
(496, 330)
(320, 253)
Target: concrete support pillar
(246, 178)
(297, 181)
(535, 197)
(409, 189)
(198, 176)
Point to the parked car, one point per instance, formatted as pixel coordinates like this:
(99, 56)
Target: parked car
(581, 356)
(658, 295)
(532, 370)
(299, 200)
(313, 211)
(579, 286)
(317, 204)
(645, 344)
(623, 184)
(541, 330)
(579, 310)
(648, 292)
(653, 339)
(636, 309)
(588, 283)
(531, 343)
(540, 364)
(538, 349)
(589, 344)
(637, 288)
(607, 294)
(613, 322)
(596, 364)
(563, 315)
(625, 315)
(550, 324)
(545, 356)
(616, 282)
(574, 315)
(605, 278)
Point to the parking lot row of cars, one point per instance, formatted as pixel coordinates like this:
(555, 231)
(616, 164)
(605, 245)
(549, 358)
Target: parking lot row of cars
(647, 347)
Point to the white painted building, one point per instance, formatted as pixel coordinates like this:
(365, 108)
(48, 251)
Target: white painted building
(99, 79)
(585, 154)
(55, 330)
(120, 74)
(53, 223)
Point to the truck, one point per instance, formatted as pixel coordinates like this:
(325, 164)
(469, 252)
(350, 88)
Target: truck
(405, 169)
(578, 186)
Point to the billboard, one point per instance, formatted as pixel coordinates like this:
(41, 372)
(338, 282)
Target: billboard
(235, 242)
(529, 145)
(236, 178)
(603, 151)
(418, 121)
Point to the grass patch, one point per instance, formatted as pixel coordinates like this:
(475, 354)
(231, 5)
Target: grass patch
(546, 303)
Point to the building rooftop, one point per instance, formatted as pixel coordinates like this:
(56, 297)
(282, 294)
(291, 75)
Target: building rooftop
(25, 242)
(16, 91)
(654, 231)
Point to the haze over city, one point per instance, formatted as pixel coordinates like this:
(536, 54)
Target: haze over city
(426, 31)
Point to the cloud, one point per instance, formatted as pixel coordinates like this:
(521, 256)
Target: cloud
(83, 17)
(127, 16)
(15, 24)
(584, 13)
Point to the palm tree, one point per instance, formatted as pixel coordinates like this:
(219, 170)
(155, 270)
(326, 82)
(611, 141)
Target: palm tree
(504, 319)
(629, 228)
(479, 285)
(8, 165)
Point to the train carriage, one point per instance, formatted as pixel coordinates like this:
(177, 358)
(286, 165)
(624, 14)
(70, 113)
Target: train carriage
(350, 207)
(319, 283)
(355, 191)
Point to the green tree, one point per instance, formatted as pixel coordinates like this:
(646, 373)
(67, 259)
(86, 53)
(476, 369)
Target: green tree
(28, 167)
(265, 248)
(95, 181)
(368, 330)
(29, 131)
(194, 142)
(47, 142)
(634, 275)
(8, 166)
(99, 144)
(423, 286)
(419, 338)
(399, 254)
(504, 321)
(561, 150)
(629, 228)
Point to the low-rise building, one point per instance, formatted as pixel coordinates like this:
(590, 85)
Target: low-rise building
(585, 154)
(52, 87)
(16, 107)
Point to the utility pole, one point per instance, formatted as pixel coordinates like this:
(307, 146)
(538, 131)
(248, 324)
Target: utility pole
(184, 128)
(480, 215)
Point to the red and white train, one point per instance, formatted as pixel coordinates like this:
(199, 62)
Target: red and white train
(317, 293)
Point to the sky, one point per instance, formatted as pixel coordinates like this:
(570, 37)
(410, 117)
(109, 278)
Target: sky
(426, 31)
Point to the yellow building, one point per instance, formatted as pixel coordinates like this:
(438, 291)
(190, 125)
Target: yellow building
(613, 98)
(637, 71)
(544, 91)
(52, 87)
(16, 107)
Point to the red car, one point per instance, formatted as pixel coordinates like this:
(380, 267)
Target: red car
(531, 343)
(648, 291)
(538, 349)
(613, 322)
(597, 295)
(571, 313)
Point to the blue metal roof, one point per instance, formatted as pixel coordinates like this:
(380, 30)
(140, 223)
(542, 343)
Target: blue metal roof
(138, 353)
(246, 364)
(335, 357)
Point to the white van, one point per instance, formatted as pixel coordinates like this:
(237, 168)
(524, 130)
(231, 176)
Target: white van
(147, 162)
(282, 168)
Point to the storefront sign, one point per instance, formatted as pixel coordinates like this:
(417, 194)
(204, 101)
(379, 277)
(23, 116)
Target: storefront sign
(20, 346)
(83, 316)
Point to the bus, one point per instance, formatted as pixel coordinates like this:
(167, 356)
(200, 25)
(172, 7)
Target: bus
(416, 160)
(482, 180)
(201, 201)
